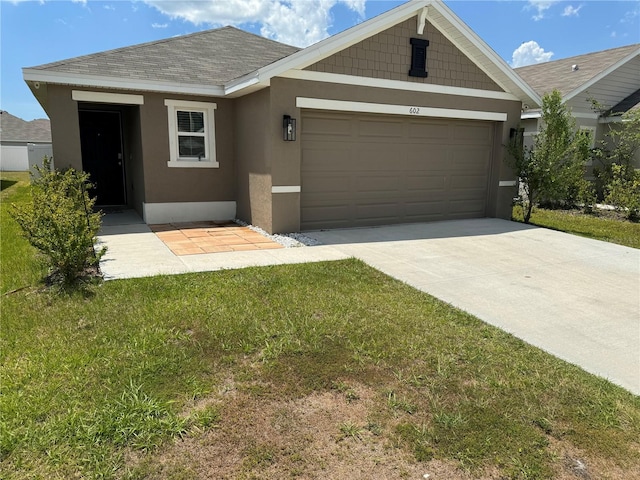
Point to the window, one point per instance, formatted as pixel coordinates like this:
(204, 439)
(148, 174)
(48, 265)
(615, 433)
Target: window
(191, 134)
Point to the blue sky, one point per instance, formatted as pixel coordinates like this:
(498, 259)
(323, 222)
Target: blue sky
(521, 32)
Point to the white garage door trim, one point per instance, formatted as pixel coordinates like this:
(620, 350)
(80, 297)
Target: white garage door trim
(388, 109)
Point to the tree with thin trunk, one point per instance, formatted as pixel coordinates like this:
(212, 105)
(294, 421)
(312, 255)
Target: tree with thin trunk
(552, 169)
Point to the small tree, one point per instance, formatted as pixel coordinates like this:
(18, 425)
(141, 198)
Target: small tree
(59, 221)
(623, 191)
(618, 148)
(552, 169)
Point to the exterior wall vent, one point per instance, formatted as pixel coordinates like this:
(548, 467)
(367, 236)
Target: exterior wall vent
(418, 57)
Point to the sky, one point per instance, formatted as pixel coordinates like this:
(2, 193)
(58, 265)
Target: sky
(521, 32)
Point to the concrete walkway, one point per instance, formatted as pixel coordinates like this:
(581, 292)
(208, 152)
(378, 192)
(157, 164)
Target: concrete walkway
(135, 251)
(576, 298)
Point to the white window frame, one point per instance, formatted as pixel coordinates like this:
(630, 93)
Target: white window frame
(208, 109)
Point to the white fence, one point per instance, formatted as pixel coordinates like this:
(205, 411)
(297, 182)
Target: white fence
(20, 158)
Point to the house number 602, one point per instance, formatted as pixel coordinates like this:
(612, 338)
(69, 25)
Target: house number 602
(414, 110)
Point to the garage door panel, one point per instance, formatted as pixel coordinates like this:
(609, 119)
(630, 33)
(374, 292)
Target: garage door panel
(327, 184)
(395, 170)
(327, 125)
(429, 131)
(385, 129)
(423, 183)
(383, 182)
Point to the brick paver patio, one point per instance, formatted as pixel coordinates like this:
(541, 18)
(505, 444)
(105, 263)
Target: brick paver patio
(210, 237)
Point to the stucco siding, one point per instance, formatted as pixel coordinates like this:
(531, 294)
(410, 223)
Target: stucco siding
(387, 55)
(163, 184)
(253, 179)
(65, 127)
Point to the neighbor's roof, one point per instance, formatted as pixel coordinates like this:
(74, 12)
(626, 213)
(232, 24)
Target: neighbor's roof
(632, 102)
(14, 129)
(560, 75)
(211, 57)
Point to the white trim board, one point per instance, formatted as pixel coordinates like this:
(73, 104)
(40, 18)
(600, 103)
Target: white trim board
(96, 81)
(395, 84)
(187, 211)
(388, 109)
(286, 189)
(102, 97)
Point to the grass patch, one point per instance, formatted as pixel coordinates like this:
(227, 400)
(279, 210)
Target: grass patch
(100, 385)
(600, 225)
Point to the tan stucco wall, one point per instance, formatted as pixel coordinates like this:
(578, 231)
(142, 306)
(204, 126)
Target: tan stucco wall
(165, 184)
(253, 159)
(388, 55)
(65, 129)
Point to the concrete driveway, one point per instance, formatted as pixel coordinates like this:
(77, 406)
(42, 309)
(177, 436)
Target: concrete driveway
(576, 298)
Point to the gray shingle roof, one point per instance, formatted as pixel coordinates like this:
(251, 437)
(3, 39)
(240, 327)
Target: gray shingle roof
(14, 129)
(211, 57)
(558, 74)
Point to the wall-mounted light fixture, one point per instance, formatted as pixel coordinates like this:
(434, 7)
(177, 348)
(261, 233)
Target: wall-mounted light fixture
(288, 128)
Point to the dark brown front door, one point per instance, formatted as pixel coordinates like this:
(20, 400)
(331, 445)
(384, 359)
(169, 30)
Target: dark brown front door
(102, 155)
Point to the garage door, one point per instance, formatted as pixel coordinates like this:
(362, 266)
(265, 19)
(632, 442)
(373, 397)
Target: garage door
(362, 170)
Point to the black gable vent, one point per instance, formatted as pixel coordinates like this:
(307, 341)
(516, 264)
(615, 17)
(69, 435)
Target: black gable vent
(418, 57)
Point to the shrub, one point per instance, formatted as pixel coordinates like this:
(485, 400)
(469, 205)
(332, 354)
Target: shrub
(59, 221)
(623, 191)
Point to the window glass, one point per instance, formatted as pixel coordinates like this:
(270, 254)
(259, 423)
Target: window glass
(189, 146)
(190, 121)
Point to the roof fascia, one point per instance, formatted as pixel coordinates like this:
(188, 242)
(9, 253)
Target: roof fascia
(487, 51)
(35, 75)
(602, 74)
(329, 46)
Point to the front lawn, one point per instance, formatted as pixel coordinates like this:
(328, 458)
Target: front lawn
(326, 370)
(600, 225)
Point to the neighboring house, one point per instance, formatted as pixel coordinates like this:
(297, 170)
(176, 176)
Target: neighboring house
(610, 77)
(401, 118)
(22, 143)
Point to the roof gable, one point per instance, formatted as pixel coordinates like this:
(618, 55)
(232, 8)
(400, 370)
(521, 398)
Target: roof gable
(387, 55)
(433, 11)
(573, 75)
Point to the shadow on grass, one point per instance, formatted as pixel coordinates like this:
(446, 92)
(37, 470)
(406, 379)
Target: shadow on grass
(6, 183)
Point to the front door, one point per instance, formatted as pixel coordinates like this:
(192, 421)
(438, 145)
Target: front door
(102, 155)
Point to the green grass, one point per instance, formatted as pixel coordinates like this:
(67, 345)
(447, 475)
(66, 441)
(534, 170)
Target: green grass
(125, 366)
(16, 256)
(596, 226)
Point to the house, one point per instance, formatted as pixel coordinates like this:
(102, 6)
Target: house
(399, 119)
(23, 144)
(611, 78)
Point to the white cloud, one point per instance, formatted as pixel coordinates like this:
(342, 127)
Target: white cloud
(109, 7)
(541, 7)
(570, 11)
(529, 53)
(159, 25)
(299, 23)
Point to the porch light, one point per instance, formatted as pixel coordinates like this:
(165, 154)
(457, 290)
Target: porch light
(288, 128)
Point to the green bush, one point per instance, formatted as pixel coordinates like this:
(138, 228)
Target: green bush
(623, 191)
(59, 221)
